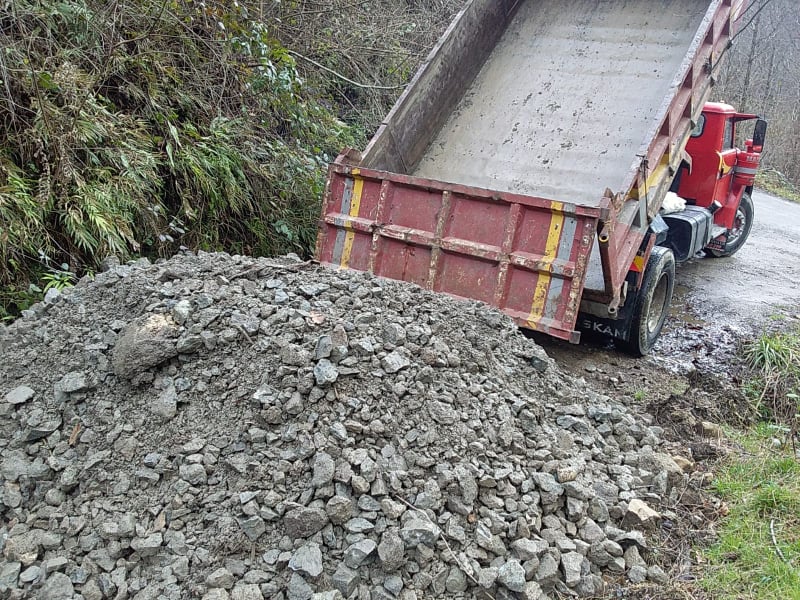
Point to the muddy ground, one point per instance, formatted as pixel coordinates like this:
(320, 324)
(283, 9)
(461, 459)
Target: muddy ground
(718, 304)
(693, 374)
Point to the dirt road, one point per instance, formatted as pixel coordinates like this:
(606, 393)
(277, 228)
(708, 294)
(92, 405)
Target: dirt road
(761, 280)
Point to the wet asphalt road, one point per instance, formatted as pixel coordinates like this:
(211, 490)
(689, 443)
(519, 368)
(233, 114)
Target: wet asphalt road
(759, 281)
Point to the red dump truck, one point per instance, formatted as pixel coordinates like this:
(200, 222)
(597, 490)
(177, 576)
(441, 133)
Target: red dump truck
(527, 162)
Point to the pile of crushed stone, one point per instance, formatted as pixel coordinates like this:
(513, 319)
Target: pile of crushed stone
(225, 427)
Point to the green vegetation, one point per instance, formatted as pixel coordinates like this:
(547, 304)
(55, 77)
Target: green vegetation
(758, 552)
(138, 127)
(777, 184)
(774, 362)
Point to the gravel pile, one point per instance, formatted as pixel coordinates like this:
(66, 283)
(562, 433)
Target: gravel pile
(223, 427)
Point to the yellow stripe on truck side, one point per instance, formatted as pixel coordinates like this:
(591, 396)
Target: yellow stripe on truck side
(355, 205)
(550, 251)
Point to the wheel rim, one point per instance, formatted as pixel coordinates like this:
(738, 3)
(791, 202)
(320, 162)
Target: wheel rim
(739, 225)
(657, 305)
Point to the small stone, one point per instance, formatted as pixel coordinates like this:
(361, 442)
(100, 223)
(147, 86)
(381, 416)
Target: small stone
(308, 559)
(639, 514)
(685, 464)
(144, 343)
(391, 551)
(417, 531)
(220, 578)
(74, 381)
(193, 474)
(339, 509)
(303, 522)
(324, 468)
(30, 574)
(358, 553)
(91, 591)
(527, 549)
(23, 548)
(571, 563)
(181, 311)
(488, 541)
(549, 488)
(512, 576)
(392, 509)
(712, 430)
(547, 572)
(9, 573)
(57, 563)
(345, 580)
(246, 591)
(165, 405)
(325, 372)
(657, 575)
(456, 581)
(637, 574)
(19, 395)
(329, 595)
(298, 589)
(487, 577)
(253, 527)
(180, 568)
(394, 362)
(359, 525)
(147, 546)
(57, 586)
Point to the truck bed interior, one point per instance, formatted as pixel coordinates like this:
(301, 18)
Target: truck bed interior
(566, 98)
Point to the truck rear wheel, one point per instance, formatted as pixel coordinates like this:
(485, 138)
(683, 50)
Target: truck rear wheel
(738, 234)
(651, 303)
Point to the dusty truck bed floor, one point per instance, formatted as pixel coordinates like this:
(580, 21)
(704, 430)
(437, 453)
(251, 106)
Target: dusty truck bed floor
(563, 104)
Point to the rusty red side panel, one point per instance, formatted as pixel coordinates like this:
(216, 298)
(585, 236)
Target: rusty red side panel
(524, 255)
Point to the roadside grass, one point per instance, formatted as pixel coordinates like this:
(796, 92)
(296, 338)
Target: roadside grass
(777, 184)
(757, 554)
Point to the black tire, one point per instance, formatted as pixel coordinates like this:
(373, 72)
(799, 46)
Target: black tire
(740, 231)
(651, 303)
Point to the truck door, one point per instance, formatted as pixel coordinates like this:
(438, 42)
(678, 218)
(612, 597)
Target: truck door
(727, 161)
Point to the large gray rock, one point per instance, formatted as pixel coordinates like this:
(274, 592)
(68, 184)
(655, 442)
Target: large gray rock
(144, 343)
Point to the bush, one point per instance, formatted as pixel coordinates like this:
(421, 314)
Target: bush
(137, 127)
(134, 127)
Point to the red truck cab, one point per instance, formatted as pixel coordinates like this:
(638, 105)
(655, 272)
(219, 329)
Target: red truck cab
(720, 177)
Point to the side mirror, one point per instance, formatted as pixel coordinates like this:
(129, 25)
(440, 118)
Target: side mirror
(759, 133)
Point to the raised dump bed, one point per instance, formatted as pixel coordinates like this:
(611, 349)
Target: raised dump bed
(525, 162)
(566, 99)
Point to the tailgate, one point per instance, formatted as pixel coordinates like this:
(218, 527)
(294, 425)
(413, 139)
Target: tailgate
(524, 255)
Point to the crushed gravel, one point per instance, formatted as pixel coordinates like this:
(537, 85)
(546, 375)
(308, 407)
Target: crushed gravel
(223, 427)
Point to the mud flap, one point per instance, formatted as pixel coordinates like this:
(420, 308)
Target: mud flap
(619, 328)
